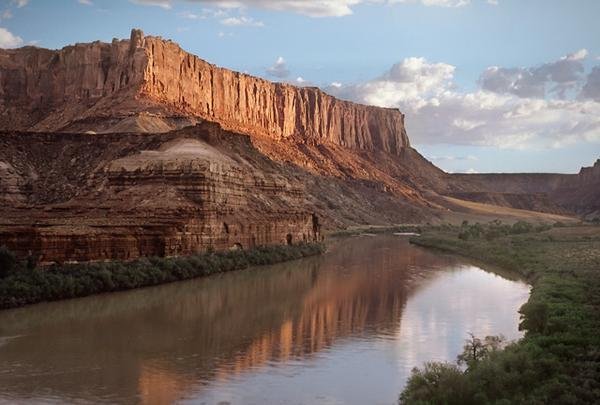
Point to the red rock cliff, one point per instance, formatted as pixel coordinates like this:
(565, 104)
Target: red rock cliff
(95, 86)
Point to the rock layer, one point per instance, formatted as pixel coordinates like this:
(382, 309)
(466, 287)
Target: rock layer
(122, 197)
(578, 193)
(96, 86)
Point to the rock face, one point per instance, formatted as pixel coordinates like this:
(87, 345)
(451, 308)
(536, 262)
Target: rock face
(122, 197)
(549, 192)
(97, 86)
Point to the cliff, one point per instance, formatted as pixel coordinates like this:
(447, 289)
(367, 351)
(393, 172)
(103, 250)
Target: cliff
(147, 84)
(547, 192)
(125, 196)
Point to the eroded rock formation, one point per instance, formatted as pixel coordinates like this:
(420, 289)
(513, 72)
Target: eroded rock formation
(122, 197)
(148, 84)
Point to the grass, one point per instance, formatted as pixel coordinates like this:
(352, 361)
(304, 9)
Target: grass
(23, 283)
(558, 359)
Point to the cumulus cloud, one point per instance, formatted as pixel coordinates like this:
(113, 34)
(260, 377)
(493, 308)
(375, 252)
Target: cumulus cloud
(558, 77)
(6, 14)
(85, 2)
(502, 113)
(20, 3)
(413, 82)
(9, 40)
(279, 69)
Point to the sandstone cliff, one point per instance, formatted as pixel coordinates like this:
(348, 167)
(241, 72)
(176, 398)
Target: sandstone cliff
(150, 84)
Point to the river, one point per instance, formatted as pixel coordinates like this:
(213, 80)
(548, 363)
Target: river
(342, 328)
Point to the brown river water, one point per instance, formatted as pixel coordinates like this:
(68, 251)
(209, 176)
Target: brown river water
(342, 328)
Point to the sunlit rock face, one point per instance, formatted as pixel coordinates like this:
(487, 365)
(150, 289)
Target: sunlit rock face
(147, 84)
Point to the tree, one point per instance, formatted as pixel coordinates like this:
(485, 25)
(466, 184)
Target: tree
(476, 349)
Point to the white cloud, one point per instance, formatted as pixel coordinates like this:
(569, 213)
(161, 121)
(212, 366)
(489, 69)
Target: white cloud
(242, 21)
(438, 3)
(413, 81)
(85, 2)
(20, 3)
(453, 158)
(559, 77)
(279, 69)
(189, 15)
(9, 40)
(6, 14)
(492, 2)
(466, 125)
(166, 4)
(317, 8)
(438, 113)
(591, 89)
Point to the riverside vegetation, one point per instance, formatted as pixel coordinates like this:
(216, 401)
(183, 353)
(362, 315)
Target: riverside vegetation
(558, 359)
(23, 282)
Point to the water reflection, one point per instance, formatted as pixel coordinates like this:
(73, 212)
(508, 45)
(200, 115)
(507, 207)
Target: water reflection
(342, 328)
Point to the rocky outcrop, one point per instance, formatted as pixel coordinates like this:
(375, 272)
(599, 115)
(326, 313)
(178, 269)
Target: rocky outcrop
(126, 196)
(97, 86)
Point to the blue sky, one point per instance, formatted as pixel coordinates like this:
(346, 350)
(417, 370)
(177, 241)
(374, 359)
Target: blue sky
(538, 109)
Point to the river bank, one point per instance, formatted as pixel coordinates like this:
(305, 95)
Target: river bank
(23, 283)
(558, 360)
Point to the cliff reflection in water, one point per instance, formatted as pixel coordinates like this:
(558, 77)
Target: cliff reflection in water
(159, 344)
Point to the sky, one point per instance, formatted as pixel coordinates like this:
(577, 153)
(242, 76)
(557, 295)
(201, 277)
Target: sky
(486, 85)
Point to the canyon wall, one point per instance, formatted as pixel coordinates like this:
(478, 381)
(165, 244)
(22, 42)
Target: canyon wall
(124, 196)
(95, 86)
(578, 193)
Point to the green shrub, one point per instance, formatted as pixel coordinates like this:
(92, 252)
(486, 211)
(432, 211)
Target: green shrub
(521, 227)
(534, 317)
(437, 383)
(75, 280)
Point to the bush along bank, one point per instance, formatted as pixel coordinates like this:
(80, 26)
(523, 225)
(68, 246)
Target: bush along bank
(558, 359)
(22, 283)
